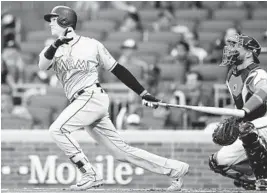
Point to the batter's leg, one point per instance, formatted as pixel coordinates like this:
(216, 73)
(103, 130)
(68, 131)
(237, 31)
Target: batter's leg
(82, 112)
(105, 133)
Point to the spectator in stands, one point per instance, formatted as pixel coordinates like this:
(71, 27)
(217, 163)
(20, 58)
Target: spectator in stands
(87, 9)
(40, 77)
(192, 39)
(124, 5)
(215, 53)
(12, 56)
(10, 28)
(128, 58)
(193, 92)
(164, 21)
(8, 108)
(6, 79)
(180, 55)
(152, 79)
(131, 22)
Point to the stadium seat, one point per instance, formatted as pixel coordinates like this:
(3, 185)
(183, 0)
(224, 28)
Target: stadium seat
(111, 14)
(149, 59)
(39, 36)
(258, 35)
(211, 72)
(91, 34)
(149, 15)
(153, 48)
(188, 23)
(56, 103)
(99, 25)
(189, 14)
(254, 25)
(164, 37)
(55, 91)
(259, 14)
(208, 37)
(171, 72)
(32, 47)
(113, 46)
(230, 14)
(263, 61)
(41, 116)
(213, 5)
(30, 70)
(150, 121)
(121, 36)
(215, 25)
(13, 122)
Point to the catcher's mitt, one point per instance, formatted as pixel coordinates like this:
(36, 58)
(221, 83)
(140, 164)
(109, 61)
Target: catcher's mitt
(227, 131)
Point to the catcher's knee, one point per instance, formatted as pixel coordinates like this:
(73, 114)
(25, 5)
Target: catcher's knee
(213, 163)
(256, 149)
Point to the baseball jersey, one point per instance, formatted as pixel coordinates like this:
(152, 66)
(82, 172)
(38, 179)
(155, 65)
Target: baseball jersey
(243, 84)
(76, 64)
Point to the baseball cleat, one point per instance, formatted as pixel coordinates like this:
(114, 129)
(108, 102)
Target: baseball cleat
(261, 184)
(88, 181)
(177, 183)
(247, 185)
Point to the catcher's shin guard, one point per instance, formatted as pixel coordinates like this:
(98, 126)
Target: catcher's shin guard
(239, 173)
(256, 149)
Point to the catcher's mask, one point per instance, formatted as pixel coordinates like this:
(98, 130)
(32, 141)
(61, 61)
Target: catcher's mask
(230, 53)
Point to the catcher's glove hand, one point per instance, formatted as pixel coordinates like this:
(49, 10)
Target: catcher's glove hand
(227, 131)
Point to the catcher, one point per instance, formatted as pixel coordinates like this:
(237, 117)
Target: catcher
(243, 156)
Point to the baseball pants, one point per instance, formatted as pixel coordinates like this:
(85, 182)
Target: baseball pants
(235, 153)
(91, 109)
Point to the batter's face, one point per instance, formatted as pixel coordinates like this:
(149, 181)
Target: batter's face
(56, 30)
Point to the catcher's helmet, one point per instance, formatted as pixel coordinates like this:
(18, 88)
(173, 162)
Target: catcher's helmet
(230, 53)
(67, 17)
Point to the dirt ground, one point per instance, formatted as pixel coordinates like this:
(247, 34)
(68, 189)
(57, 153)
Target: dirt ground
(62, 190)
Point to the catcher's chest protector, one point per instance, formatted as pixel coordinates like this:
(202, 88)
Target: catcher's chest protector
(241, 88)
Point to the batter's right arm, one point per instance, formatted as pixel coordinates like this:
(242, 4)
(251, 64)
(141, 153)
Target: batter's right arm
(46, 56)
(44, 63)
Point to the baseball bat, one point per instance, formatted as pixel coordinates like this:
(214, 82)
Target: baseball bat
(210, 110)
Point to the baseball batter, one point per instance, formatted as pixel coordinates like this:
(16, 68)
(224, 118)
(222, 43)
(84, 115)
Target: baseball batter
(75, 60)
(246, 159)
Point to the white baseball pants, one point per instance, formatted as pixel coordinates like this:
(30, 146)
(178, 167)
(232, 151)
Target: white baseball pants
(91, 109)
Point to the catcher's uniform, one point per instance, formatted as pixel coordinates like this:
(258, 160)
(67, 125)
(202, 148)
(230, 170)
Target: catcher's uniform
(242, 85)
(76, 65)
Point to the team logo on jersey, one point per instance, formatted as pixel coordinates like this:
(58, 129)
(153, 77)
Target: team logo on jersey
(69, 63)
(234, 87)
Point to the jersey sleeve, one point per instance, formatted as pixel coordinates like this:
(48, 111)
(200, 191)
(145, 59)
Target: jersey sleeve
(256, 79)
(106, 61)
(42, 53)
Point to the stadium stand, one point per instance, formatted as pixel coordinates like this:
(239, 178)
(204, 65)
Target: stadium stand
(230, 14)
(210, 20)
(12, 122)
(199, 14)
(215, 26)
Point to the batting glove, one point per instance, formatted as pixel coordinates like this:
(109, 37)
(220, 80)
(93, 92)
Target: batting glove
(62, 39)
(150, 101)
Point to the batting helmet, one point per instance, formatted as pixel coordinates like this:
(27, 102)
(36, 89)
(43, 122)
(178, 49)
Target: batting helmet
(67, 17)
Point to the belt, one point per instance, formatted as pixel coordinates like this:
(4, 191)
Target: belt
(80, 92)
